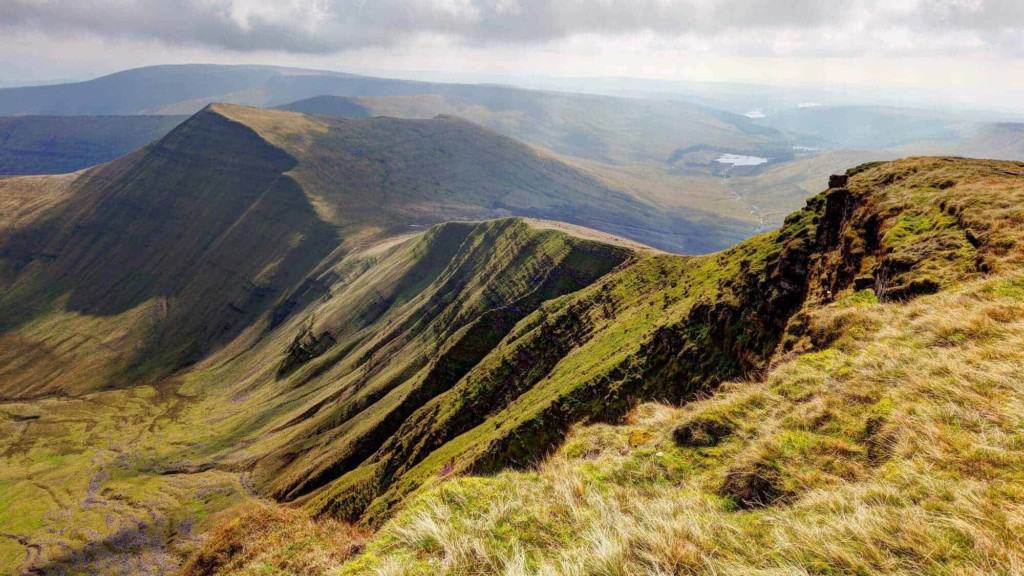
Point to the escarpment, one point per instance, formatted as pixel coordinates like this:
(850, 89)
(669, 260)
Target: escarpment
(669, 328)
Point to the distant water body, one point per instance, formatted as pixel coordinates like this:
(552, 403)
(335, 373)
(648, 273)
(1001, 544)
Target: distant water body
(740, 160)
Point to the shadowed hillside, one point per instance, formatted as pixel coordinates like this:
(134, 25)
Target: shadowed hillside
(58, 144)
(185, 243)
(182, 244)
(329, 106)
(390, 173)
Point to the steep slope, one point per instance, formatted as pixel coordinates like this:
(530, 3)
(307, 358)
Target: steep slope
(670, 327)
(392, 173)
(127, 477)
(359, 360)
(797, 318)
(249, 309)
(180, 245)
(185, 243)
(883, 438)
(59, 144)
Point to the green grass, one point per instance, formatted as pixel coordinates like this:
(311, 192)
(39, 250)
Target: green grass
(879, 473)
(864, 449)
(442, 377)
(88, 468)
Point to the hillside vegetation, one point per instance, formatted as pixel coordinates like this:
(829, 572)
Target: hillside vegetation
(178, 247)
(867, 422)
(387, 172)
(262, 343)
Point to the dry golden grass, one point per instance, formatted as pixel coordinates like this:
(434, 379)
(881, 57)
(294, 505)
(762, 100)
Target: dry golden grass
(899, 449)
(289, 131)
(267, 539)
(23, 199)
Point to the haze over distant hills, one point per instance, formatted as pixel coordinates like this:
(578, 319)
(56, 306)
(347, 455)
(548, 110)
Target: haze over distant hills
(565, 288)
(57, 144)
(657, 147)
(567, 123)
(240, 314)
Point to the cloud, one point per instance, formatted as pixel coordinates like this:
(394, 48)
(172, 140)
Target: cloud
(326, 26)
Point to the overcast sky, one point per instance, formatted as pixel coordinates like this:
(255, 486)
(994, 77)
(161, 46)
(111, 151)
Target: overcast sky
(968, 49)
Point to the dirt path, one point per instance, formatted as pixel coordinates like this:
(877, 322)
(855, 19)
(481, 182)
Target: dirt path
(33, 553)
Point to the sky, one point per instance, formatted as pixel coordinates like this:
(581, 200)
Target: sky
(969, 51)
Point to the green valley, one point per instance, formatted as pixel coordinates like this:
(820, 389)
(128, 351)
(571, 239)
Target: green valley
(511, 288)
(278, 343)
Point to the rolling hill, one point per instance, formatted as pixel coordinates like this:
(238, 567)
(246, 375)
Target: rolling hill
(1001, 140)
(388, 384)
(779, 190)
(268, 325)
(608, 129)
(868, 127)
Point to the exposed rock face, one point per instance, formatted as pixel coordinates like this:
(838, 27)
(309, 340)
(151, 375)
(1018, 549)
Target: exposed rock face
(730, 325)
(837, 180)
(304, 348)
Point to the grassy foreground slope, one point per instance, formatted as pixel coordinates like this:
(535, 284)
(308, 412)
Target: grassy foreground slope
(869, 420)
(248, 310)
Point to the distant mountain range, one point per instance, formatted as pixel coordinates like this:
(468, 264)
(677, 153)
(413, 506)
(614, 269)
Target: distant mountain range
(663, 150)
(57, 144)
(576, 124)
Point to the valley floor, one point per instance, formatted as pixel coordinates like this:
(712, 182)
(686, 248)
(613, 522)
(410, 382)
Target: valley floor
(97, 484)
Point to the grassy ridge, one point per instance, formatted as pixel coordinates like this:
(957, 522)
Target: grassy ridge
(869, 406)
(867, 448)
(186, 243)
(893, 450)
(183, 243)
(421, 335)
(159, 463)
(389, 173)
(297, 350)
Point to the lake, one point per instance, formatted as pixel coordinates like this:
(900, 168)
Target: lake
(740, 160)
